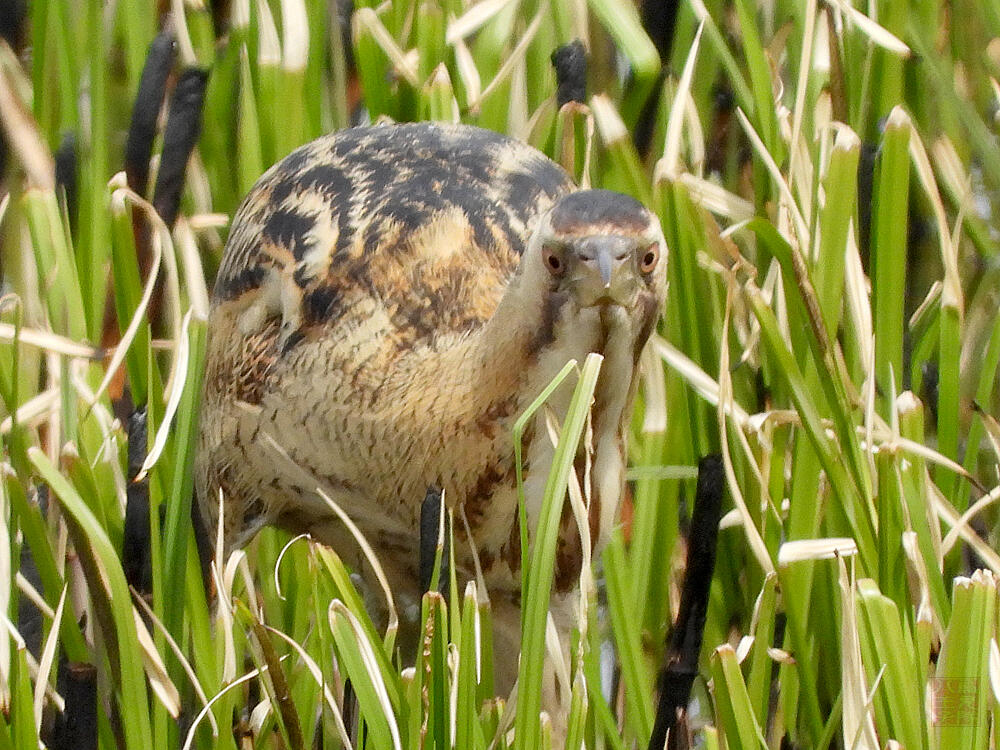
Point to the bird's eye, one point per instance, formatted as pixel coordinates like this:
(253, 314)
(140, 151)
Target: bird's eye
(649, 258)
(552, 260)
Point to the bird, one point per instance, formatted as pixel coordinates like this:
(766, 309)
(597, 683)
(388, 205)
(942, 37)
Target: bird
(391, 298)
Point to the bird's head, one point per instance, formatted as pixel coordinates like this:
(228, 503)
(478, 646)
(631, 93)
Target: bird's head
(601, 249)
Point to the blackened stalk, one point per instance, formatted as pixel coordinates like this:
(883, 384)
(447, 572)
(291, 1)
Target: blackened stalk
(146, 110)
(76, 728)
(430, 529)
(570, 63)
(659, 19)
(138, 150)
(179, 139)
(136, 550)
(680, 663)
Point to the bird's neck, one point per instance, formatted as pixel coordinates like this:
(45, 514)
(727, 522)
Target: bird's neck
(524, 344)
(518, 352)
(535, 332)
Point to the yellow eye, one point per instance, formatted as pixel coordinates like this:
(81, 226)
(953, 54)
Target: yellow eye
(649, 258)
(552, 261)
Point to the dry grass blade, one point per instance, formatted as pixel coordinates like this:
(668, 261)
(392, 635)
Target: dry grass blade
(194, 273)
(654, 390)
(468, 72)
(798, 221)
(156, 671)
(816, 549)
(953, 173)
(482, 594)
(178, 378)
(20, 127)
(963, 521)
(208, 706)
(952, 291)
(931, 301)
(517, 57)
(919, 580)
(317, 674)
(365, 20)
(295, 36)
(370, 555)
(269, 45)
(277, 564)
(805, 67)
(992, 430)
(717, 199)
(474, 18)
(878, 34)
(607, 119)
(49, 342)
(223, 573)
(160, 237)
(19, 644)
(36, 408)
(695, 136)
(697, 378)
(947, 513)
(25, 587)
(13, 632)
(184, 44)
(859, 726)
(181, 658)
(48, 657)
(880, 437)
(754, 539)
(669, 166)
(858, 300)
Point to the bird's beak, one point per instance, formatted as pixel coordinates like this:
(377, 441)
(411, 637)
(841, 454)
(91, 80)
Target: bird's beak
(607, 254)
(606, 265)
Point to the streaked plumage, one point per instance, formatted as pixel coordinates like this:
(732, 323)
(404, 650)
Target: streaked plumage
(390, 300)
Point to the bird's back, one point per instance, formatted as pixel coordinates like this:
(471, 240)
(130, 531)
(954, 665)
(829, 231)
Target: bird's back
(428, 221)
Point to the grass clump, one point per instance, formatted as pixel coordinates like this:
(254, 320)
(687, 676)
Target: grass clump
(828, 180)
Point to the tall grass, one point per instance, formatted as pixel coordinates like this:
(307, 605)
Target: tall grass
(828, 179)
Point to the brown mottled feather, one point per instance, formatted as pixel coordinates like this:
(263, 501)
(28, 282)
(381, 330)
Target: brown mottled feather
(396, 237)
(429, 220)
(383, 314)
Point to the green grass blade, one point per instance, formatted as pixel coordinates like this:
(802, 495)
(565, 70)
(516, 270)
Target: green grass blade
(88, 534)
(888, 251)
(636, 675)
(734, 713)
(355, 655)
(535, 603)
(961, 686)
